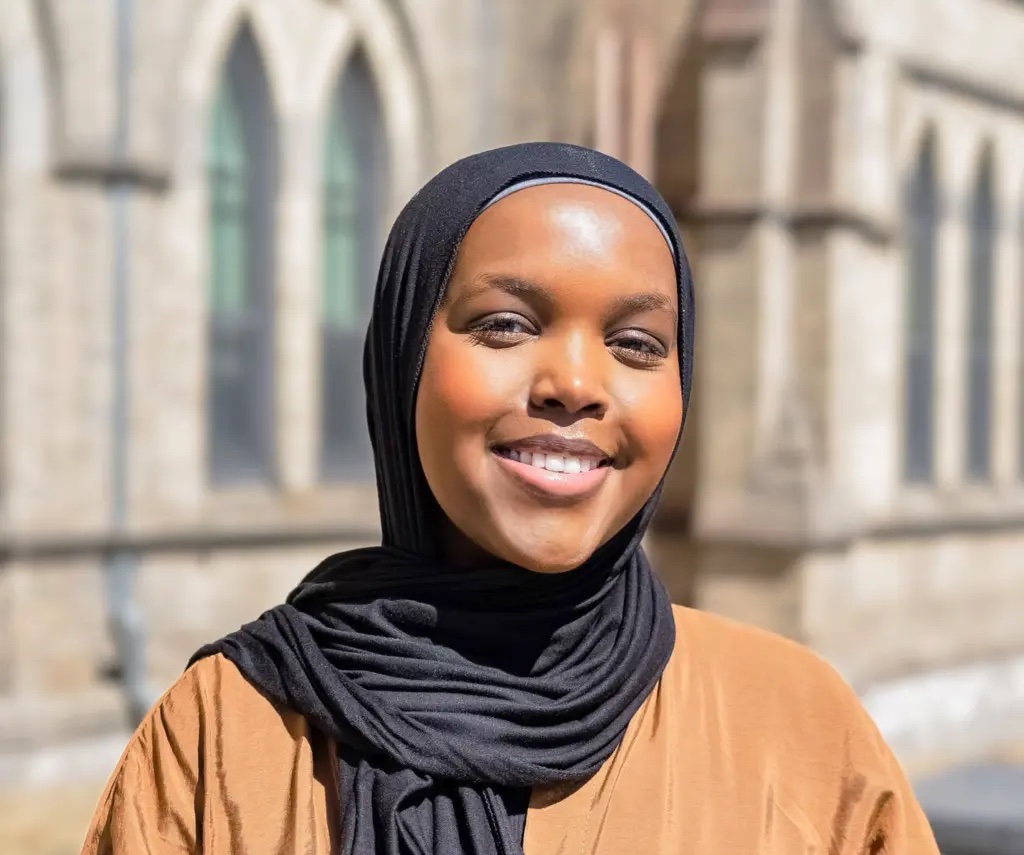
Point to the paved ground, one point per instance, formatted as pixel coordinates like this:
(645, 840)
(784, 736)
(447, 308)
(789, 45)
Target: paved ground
(48, 797)
(977, 809)
(49, 821)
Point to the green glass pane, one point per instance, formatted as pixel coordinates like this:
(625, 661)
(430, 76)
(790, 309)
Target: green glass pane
(340, 241)
(226, 172)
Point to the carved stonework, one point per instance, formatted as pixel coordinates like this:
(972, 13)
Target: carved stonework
(790, 465)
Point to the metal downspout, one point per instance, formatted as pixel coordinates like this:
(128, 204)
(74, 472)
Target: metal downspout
(125, 616)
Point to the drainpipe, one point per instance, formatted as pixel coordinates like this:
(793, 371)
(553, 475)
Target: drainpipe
(124, 614)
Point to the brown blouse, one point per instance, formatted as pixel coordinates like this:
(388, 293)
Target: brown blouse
(749, 743)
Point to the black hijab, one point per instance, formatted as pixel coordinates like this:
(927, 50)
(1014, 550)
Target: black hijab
(451, 692)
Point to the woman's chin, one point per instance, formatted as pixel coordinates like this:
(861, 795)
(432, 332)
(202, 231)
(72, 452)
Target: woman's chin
(550, 558)
(547, 542)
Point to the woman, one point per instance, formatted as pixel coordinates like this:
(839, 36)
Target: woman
(505, 672)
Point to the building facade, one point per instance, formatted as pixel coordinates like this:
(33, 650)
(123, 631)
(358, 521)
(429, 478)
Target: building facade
(193, 197)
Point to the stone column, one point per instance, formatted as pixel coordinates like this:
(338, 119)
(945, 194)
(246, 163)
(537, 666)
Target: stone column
(769, 226)
(625, 87)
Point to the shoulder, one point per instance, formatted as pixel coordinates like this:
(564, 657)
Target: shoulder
(773, 686)
(211, 690)
(747, 657)
(203, 731)
(210, 699)
(790, 724)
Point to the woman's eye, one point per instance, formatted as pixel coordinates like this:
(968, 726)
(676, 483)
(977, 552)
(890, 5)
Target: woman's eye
(501, 329)
(639, 347)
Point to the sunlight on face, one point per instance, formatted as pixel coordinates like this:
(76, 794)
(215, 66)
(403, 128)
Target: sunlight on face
(585, 230)
(551, 401)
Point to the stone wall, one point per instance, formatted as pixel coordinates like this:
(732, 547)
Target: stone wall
(785, 134)
(810, 121)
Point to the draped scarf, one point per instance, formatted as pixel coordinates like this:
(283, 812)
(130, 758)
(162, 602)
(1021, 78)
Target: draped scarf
(451, 691)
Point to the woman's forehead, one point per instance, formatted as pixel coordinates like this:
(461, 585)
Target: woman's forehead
(533, 182)
(582, 206)
(575, 225)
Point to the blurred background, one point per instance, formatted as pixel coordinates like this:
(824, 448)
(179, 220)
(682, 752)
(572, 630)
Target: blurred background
(193, 199)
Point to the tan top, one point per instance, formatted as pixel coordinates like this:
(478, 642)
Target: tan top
(749, 743)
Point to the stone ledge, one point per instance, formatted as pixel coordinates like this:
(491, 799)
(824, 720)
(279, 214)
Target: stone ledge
(928, 511)
(31, 546)
(84, 761)
(810, 215)
(29, 724)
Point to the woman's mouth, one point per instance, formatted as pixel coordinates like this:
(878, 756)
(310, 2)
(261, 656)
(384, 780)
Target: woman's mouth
(556, 476)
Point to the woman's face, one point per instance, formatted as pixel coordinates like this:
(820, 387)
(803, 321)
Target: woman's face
(550, 400)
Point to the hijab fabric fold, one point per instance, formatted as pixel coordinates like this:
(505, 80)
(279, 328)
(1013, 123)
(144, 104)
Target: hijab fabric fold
(451, 691)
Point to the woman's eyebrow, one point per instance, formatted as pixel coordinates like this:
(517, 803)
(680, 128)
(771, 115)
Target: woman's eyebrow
(515, 286)
(535, 293)
(634, 304)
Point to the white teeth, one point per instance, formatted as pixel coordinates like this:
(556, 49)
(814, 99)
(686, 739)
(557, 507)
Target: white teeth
(555, 463)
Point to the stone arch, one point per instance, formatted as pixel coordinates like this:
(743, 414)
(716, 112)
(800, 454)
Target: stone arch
(202, 60)
(374, 27)
(212, 37)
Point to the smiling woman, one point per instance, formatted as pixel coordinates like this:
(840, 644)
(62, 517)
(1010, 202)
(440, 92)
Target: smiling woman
(505, 673)
(551, 402)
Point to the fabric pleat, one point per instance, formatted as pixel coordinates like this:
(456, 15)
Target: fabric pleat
(453, 691)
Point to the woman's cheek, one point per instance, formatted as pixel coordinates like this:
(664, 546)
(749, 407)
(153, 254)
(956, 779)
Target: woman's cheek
(476, 384)
(651, 413)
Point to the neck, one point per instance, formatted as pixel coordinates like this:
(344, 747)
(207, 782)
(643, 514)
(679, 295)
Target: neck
(458, 550)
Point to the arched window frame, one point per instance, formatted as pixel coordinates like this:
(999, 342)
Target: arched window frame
(355, 192)
(242, 169)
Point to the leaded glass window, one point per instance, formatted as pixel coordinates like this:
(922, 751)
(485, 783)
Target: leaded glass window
(982, 223)
(242, 179)
(354, 195)
(922, 222)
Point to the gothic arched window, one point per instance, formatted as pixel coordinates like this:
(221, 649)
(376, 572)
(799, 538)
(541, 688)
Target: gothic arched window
(242, 180)
(922, 221)
(355, 185)
(978, 380)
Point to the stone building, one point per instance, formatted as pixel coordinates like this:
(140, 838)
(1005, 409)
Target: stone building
(193, 194)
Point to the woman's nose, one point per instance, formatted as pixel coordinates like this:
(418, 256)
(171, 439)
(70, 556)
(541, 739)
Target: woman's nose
(569, 378)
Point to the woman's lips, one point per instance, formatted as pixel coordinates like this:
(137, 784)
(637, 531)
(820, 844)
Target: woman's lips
(559, 485)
